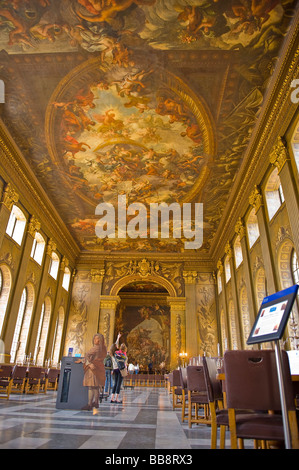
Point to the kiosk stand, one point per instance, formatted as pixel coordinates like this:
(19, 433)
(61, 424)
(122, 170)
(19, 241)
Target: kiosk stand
(269, 325)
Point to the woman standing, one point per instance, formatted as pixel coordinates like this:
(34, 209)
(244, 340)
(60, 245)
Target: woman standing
(119, 357)
(94, 371)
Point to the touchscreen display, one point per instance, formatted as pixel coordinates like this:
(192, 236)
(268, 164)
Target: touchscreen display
(273, 316)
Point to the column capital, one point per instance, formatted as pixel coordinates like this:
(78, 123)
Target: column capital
(51, 246)
(10, 196)
(240, 228)
(97, 275)
(279, 154)
(109, 301)
(177, 303)
(34, 226)
(256, 198)
(190, 277)
(220, 266)
(228, 250)
(64, 263)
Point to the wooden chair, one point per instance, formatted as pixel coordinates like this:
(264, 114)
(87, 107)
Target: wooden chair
(219, 416)
(6, 380)
(19, 379)
(252, 384)
(52, 379)
(197, 396)
(34, 378)
(176, 389)
(183, 381)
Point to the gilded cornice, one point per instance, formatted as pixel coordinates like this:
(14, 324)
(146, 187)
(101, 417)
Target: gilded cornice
(274, 118)
(17, 170)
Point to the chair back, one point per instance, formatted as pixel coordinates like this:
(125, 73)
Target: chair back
(36, 373)
(195, 379)
(53, 374)
(183, 377)
(213, 385)
(19, 372)
(252, 382)
(176, 378)
(5, 371)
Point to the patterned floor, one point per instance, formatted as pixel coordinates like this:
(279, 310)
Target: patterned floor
(145, 420)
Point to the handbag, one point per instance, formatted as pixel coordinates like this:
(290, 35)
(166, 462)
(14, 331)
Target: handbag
(124, 372)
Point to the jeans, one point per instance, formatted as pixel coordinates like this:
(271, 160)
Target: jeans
(118, 378)
(108, 381)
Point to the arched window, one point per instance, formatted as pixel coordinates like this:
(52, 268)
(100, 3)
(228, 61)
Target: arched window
(22, 326)
(273, 194)
(38, 248)
(252, 228)
(227, 269)
(238, 252)
(54, 265)
(15, 341)
(16, 225)
(42, 333)
(5, 286)
(66, 279)
(295, 267)
(219, 282)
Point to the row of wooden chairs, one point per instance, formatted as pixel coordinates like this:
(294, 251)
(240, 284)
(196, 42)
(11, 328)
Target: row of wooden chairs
(247, 402)
(144, 380)
(24, 379)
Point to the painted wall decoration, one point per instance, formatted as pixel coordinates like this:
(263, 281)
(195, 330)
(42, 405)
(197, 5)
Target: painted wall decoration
(145, 330)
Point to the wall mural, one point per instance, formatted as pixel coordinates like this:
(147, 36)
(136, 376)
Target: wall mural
(145, 331)
(155, 99)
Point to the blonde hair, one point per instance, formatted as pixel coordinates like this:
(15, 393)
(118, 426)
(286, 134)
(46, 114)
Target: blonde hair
(123, 347)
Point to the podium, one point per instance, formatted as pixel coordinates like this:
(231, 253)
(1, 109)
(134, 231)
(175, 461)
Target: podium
(71, 394)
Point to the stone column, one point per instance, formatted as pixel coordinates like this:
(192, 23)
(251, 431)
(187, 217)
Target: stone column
(220, 271)
(33, 227)
(190, 278)
(108, 305)
(96, 276)
(280, 158)
(9, 198)
(177, 329)
(241, 231)
(231, 259)
(256, 201)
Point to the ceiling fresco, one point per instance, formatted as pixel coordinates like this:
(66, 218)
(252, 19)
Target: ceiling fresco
(155, 99)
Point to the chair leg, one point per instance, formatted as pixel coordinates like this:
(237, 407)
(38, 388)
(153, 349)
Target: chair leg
(213, 426)
(293, 429)
(232, 428)
(222, 437)
(189, 409)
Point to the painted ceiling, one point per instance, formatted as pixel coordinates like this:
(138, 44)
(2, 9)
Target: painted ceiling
(155, 99)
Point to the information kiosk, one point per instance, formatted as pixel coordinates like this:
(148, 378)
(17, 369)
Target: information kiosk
(269, 325)
(71, 393)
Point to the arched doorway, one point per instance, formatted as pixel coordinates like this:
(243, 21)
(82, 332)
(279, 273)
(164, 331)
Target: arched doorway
(143, 318)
